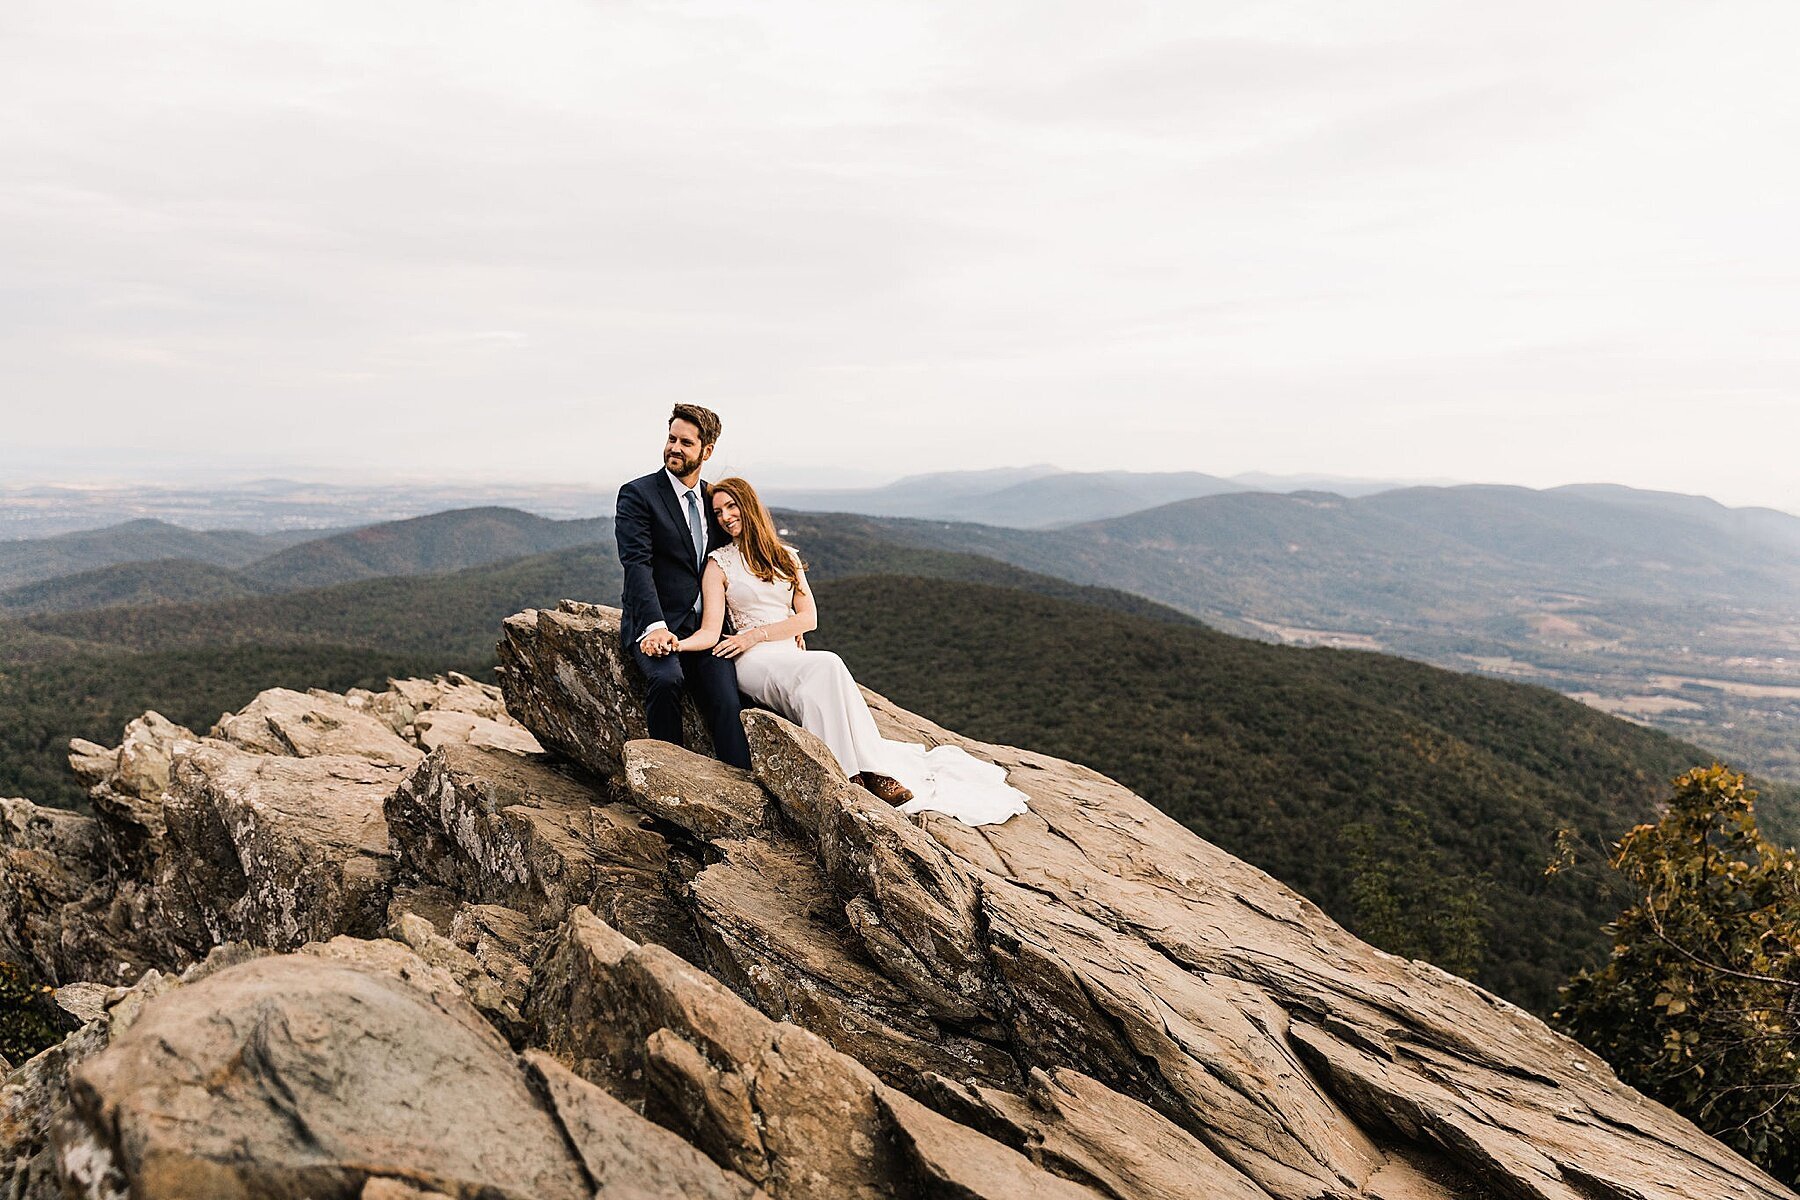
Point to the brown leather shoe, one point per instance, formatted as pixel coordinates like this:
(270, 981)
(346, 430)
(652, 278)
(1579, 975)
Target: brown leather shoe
(884, 787)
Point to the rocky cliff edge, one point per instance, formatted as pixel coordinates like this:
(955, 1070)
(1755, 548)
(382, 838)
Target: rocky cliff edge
(452, 940)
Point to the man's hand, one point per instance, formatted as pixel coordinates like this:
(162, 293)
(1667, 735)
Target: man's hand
(659, 643)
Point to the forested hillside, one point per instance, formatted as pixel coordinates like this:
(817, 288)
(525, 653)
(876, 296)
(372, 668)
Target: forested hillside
(159, 581)
(445, 541)
(29, 560)
(1290, 757)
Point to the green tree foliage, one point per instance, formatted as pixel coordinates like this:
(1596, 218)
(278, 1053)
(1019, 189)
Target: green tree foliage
(1699, 1004)
(1407, 897)
(28, 1020)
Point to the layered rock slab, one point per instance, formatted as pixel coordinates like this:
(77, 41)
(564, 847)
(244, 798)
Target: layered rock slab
(1239, 1010)
(1103, 938)
(314, 724)
(773, 929)
(494, 827)
(565, 677)
(767, 1099)
(273, 850)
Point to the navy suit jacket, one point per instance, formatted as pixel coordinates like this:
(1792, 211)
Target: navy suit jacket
(662, 580)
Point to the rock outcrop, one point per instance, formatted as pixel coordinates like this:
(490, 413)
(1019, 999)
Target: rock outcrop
(270, 828)
(384, 945)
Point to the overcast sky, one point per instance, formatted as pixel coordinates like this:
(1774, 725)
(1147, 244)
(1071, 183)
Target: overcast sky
(1512, 242)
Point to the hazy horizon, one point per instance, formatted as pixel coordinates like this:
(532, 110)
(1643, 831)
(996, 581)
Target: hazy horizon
(557, 493)
(1536, 244)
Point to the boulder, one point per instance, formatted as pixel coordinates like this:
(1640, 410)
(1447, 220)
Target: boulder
(126, 783)
(34, 1096)
(273, 850)
(311, 725)
(701, 795)
(497, 996)
(776, 933)
(913, 907)
(407, 699)
(434, 728)
(624, 1154)
(311, 1075)
(49, 859)
(566, 678)
(494, 827)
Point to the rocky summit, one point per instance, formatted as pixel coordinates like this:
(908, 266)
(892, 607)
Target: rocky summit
(452, 940)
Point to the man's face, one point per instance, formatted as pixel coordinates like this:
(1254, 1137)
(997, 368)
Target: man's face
(683, 453)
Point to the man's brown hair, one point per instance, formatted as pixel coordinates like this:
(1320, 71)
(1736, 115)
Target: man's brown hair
(703, 419)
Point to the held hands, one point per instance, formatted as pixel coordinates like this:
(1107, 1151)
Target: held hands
(659, 643)
(737, 643)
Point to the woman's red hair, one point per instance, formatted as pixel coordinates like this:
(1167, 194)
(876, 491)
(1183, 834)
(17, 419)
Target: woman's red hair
(762, 550)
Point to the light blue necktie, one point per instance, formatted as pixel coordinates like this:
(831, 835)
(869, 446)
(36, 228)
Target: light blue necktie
(698, 532)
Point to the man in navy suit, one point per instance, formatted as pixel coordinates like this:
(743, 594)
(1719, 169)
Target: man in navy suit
(666, 528)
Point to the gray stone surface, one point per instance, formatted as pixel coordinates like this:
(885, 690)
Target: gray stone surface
(565, 677)
(275, 850)
(308, 1075)
(495, 827)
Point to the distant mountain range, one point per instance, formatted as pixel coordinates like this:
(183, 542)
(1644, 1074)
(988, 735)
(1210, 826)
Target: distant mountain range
(1672, 610)
(1329, 561)
(311, 508)
(27, 561)
(446, 541)
(1045, 497)
(199, 567)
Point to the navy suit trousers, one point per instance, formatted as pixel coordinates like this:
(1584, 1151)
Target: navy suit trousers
(713, 682)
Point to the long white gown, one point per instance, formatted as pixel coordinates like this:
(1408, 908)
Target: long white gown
(814, 689)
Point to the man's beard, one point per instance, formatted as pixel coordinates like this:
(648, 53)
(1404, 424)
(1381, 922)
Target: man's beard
(679, 465)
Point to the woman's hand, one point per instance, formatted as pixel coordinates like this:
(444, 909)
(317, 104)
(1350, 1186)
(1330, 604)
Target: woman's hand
(739, 642)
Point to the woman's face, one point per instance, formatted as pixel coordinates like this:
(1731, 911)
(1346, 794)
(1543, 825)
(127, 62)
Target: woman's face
(725, 508)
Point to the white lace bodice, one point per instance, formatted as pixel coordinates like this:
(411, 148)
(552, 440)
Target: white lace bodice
(750, 601)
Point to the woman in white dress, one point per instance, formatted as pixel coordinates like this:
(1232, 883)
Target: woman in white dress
(762, 584)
